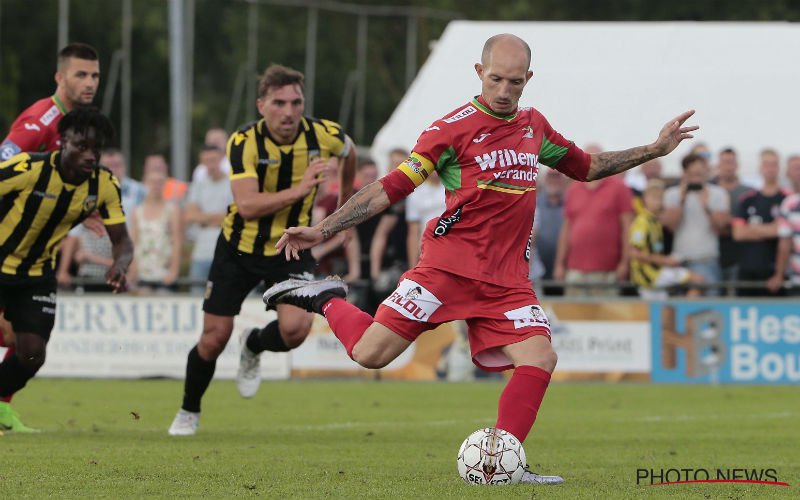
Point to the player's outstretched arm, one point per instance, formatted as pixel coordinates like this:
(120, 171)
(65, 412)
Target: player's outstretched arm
(613, 162)
(122, 250)
(367, 202)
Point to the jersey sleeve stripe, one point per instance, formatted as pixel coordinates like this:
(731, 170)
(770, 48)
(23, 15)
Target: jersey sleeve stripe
(550, 154)
(236, 147)
(32, 204)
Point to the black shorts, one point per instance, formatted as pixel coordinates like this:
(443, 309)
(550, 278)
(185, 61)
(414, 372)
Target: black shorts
(30, 306)
(233, 275)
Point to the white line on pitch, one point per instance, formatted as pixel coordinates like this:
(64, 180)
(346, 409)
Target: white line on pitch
(715, 416)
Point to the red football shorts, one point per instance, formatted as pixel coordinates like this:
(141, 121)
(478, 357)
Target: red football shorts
(496, 316)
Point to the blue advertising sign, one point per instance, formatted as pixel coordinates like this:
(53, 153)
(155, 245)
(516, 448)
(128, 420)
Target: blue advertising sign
(727, 342)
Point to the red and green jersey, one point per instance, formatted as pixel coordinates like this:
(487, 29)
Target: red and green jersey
(488, 164)
(35, 129)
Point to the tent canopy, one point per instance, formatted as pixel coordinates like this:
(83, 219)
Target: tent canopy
(617, 84)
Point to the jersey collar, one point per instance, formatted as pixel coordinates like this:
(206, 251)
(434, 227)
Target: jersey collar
(60, 105)
(304, 126)
(479, 103)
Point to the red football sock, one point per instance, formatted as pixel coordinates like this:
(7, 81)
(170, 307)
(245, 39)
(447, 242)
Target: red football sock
(519, 403)
(9, 352)
(347, 322)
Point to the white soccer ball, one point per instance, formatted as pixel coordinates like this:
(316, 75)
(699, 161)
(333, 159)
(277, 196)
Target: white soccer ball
(491, 456)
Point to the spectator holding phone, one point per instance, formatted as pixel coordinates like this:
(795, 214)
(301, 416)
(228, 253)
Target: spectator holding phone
(697, 211)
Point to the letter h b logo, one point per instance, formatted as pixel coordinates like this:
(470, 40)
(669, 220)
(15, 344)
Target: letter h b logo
(701, 341)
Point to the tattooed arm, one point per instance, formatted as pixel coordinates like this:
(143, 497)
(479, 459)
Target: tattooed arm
(364, 204)
(613, 162)
(367, 202)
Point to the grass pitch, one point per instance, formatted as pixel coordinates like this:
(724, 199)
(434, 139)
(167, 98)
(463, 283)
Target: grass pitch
(388, 440)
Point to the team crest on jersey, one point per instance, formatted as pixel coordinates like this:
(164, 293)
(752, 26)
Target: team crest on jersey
(528, 132)
(414, 293)
(89, 204)
(50, 115)
(461, 114)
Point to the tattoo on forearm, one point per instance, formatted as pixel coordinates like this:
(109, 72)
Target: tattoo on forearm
(613, 162)
(363, 205)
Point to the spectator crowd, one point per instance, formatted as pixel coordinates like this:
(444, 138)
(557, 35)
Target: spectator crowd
(708, 232)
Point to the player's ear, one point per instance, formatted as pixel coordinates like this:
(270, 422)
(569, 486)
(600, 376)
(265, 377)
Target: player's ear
(59, 77)
(260, 106)
(479, 70)
(528, 75)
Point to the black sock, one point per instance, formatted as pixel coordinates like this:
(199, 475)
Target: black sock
(13, 376)
(199, 373)
(267, 339)
(323, 298)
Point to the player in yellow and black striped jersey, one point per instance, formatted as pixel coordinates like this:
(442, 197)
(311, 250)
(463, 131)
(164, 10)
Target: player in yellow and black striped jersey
(39, 208)
(651, 269)
(43, 197)
(276, 166)
(255, 154)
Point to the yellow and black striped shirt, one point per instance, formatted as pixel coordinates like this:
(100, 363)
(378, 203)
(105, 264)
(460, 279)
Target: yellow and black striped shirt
(646, 235)
(38, 209)
(253, 153)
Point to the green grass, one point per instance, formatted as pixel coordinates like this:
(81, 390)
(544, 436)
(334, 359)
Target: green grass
(354, 440)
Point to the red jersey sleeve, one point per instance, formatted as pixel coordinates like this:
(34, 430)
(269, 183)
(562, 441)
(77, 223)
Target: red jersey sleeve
(563, 155)
(35, 130)
(422, 161)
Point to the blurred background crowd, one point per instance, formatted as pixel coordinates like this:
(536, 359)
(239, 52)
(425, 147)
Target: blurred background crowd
(707, 232)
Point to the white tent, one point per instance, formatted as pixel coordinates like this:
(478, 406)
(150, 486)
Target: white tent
(616, 84)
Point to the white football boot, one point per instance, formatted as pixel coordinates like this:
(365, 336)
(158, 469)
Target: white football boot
(305, 294)
(248, 378)
(530, 477)
(185, 423)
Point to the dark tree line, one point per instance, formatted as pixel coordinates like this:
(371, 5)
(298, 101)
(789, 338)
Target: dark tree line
(28, 32)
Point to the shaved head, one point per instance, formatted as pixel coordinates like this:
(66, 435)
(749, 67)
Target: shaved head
(504, 70)
(504, 41)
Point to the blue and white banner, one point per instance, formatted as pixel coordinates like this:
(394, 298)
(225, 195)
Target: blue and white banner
(727, 342)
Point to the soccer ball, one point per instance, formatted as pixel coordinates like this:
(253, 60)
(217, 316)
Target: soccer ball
(491, 456)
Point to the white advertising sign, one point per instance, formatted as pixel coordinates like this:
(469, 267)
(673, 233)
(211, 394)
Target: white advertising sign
(603, 346)
(134, 337)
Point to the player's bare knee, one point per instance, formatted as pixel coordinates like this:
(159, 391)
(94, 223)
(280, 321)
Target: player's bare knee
(550, 360)
(31, 357)
(369, 357)
(211, 344)
(546, 359)
(295, 333)
(294, 338)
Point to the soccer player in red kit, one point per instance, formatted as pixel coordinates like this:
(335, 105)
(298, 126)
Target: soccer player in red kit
(36, 130)
(474, 258)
